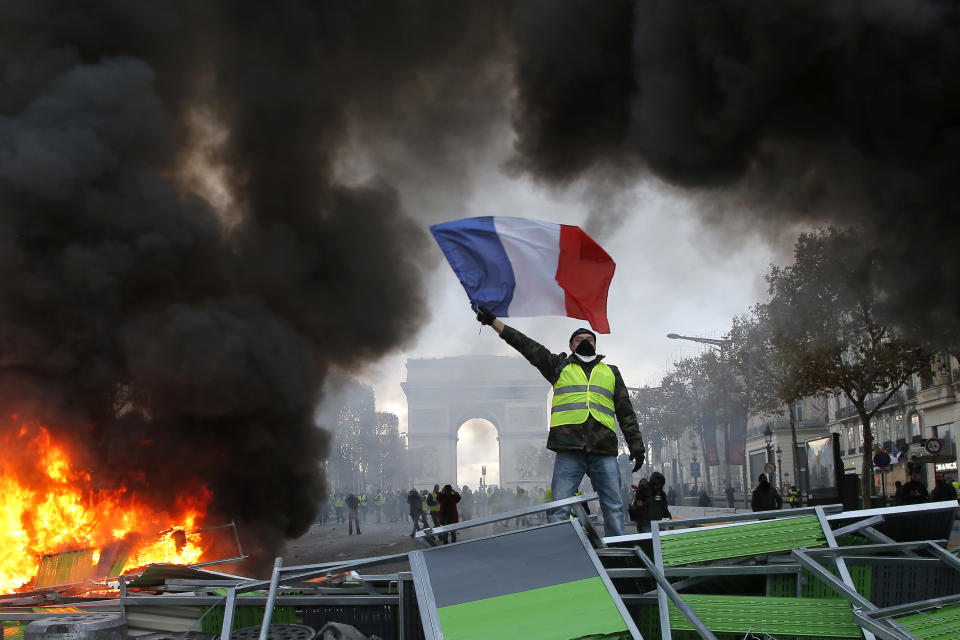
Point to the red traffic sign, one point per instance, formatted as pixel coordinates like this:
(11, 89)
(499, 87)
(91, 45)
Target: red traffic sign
(881, 459)
(933, 446)
(769, 468)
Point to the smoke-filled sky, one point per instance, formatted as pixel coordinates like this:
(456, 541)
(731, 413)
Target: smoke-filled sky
(206, 205)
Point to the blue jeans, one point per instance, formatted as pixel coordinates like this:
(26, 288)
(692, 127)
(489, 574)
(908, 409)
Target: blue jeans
(604, 474)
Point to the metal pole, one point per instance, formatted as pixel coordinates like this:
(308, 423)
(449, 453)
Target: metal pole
(271, 597)
(228, 610)
(780, 469)
(665, 631)
(665, 590)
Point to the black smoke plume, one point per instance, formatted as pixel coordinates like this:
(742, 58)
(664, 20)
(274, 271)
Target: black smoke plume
(843, 112)
(181, 343)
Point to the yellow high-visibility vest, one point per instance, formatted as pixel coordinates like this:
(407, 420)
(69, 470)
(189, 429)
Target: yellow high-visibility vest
(575, 397)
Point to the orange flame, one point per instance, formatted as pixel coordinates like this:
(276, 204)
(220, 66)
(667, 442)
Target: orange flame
(48, 506)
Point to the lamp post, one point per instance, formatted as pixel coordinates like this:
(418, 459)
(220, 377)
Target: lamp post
(767, 439)
(780, 467)
(720, 345)
(694, 468)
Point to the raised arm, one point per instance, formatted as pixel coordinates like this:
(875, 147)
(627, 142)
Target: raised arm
(548, 364)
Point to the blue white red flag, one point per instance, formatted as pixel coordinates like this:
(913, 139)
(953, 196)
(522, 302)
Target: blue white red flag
(521, 267)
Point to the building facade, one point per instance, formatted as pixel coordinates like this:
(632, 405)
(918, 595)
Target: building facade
(927, 407)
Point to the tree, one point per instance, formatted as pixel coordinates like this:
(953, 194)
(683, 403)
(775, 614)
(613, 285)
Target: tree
(826, 321)
(648, 405)
(768, 377)
(367, 444)
(386, 452)
(693, 398)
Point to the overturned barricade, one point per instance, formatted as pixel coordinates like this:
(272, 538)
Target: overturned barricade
(816, 572)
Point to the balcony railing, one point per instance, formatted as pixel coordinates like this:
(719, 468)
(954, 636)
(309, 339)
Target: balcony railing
(846, 412)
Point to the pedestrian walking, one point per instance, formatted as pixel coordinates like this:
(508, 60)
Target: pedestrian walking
(353, 503)
(416, 511)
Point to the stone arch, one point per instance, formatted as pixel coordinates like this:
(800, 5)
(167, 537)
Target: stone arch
(443, 393)
(462, 453)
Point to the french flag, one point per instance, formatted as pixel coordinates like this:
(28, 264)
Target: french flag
(521, 267)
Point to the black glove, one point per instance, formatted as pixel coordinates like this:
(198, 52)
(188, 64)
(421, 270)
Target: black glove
(637, 456)
(484, 316)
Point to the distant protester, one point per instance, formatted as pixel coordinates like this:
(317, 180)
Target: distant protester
(448, 499)
(765, 496)
(943, 490)
(649, 502)
(672, 497)
(352, 519)
(913, 492)
(416, 511)
(433, 504)
(705, 499)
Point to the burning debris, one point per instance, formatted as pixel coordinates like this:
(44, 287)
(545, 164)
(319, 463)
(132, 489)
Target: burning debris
(61, 528)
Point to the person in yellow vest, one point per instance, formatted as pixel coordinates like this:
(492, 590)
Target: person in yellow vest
(433, 504)
(363, 508)
(338, 507)
(589, 399)
(794, 495)
(378, 501)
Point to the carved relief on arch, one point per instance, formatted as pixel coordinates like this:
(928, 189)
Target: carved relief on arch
(425, 461)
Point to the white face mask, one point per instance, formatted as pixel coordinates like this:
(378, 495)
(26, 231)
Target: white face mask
(586, 358)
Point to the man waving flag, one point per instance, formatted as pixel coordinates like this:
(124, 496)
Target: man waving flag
(520, 267)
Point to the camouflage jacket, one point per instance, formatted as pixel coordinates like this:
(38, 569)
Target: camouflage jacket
(589, 436)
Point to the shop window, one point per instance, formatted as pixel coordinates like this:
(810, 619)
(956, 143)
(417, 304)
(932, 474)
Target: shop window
(947, 433)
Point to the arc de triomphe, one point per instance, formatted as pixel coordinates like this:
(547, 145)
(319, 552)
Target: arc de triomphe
(443, 393)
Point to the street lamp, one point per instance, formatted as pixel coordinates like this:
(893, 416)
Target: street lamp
(780, 467)
(767, 439)
(720, 344)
